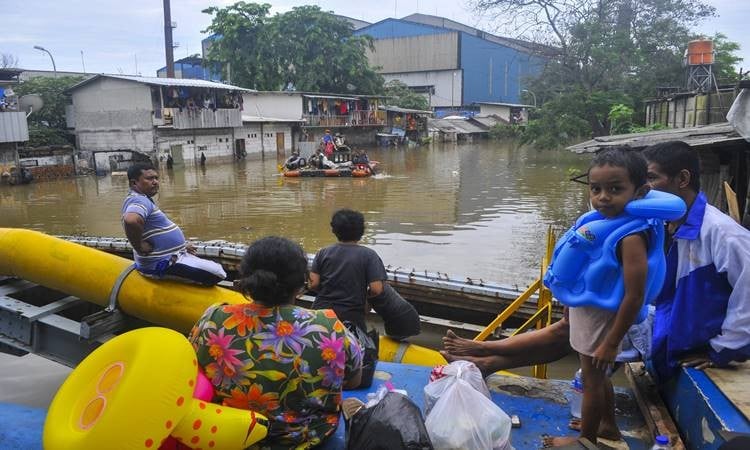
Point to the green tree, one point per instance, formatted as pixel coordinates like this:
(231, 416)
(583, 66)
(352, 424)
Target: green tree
(726, 60)
(306, 49)
(48, 126)
(399, 94)
(608, 53)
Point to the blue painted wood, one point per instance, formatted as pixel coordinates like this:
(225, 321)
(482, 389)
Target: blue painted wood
(700, 409)
(22, 427)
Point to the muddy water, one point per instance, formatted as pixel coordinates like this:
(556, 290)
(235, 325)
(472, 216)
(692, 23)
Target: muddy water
(469, 210)
(476, 210)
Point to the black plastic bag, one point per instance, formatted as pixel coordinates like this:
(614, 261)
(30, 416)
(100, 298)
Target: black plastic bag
(394, 423)
(369, 341)
(400, 318)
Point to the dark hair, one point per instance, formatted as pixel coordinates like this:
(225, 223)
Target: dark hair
(673, 157)
(136, 170)
(625, 157)
(272, 270)
(348, 225)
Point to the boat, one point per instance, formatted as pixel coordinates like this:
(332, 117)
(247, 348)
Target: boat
(354, 170)
(61, 300)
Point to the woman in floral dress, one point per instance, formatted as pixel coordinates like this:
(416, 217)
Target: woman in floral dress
(281, 360)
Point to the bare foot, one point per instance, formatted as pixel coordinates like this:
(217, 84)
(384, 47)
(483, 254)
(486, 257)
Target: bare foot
(606, 431)
(558, 441)
(459, 346)
(482, 362)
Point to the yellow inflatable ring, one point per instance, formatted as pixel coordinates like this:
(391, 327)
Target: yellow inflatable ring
(129, 393)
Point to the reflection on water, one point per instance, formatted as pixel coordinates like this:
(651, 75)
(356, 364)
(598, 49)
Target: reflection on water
(480, 210)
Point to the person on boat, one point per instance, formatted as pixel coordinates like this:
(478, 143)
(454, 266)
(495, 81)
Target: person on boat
(328, 144)
(360, 157)
(284, 361)
(709, 338)
(159, 246)
(703, 311)
(347, 275)
(321, 161)
(294, 162)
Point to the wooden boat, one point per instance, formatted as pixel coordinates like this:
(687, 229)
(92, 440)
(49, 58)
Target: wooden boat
(61, 300)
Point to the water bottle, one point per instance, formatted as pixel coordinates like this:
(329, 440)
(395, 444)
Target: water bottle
(662, 443)
(576, 395)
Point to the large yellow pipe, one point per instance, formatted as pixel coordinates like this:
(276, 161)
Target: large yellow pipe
(89, 274)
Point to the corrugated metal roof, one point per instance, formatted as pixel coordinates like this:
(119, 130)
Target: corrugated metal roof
(156, 81)
(455, 126)
(258, 119)
(13, 127)
(404, 110)
(335, 97)
(513, 105)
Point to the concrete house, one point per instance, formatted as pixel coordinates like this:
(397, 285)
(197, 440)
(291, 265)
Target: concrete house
(120, 119)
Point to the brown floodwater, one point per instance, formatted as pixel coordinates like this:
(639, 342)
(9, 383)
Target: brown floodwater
(479, 210)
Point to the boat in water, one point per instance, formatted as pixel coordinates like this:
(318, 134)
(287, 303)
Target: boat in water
(353, 170)
(62, 300)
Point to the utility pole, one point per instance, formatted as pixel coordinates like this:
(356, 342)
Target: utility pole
(169, 50)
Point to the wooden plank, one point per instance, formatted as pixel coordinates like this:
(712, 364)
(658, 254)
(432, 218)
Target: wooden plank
(658, 419)
(734, 207)
(734, 382)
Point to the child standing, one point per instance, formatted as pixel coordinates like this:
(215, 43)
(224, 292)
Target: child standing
(615, 177)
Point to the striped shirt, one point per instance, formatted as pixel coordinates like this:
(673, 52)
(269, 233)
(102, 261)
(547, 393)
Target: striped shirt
(165, 236)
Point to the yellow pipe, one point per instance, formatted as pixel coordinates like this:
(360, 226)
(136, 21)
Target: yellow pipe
(89, 274)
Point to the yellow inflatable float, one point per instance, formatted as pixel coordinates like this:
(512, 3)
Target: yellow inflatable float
(90, 275)
(137, 390)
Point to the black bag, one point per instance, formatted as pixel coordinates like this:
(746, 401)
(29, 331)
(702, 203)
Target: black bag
(395, 423)
(369, 341)
(400, 318)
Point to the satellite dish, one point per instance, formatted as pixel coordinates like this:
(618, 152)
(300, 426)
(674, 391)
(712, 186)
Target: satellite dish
(30, 103)
(350, 87)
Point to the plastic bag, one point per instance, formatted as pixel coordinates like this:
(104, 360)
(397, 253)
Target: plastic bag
(462, 415)
(394, 423)
(463, 370)
(369, 341)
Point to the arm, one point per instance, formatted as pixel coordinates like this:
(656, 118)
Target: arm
(731, 254)
(635, 268)
(376, 288)
(133, 224)
(314, 281)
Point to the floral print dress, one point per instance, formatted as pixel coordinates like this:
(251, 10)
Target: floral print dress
(286, 362)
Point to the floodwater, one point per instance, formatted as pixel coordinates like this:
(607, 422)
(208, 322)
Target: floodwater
(478, 210)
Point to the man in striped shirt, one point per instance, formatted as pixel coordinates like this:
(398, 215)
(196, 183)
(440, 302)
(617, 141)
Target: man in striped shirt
(159, 247)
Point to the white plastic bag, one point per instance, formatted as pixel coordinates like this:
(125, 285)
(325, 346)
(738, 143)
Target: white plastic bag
(462, 370)
(462, 417)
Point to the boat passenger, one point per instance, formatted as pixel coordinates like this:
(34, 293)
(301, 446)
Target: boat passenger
(273, 357)
(320, 161)
(159, 246)
(328, 144)
(616, 177)
(703, 311)
(294, 162)
(360, 157)
(339, 140)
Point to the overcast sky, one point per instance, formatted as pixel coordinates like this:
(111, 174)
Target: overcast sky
(116, 36)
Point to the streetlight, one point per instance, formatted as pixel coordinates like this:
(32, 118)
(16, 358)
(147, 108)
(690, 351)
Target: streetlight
(54, 68)
(532, 94)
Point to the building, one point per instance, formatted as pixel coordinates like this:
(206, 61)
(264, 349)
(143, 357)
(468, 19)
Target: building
(13, 131)
(452, 64)
(120, 119)
(511, 113)
(190, 67)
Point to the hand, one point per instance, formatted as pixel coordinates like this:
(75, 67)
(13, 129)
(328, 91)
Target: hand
(145, 248)
(699, 361)
(191, 249)
(604, 356)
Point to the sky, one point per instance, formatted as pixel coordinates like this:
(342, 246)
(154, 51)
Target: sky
(115, 36)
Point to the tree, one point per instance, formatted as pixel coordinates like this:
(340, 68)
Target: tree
(305, 49)
(608, 53)
(726, 61)
(48, 126)
(400, 95)
(8, 61)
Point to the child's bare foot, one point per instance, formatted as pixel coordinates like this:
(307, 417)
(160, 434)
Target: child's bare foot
(558, 441)
(606, 431)
(459, 346)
